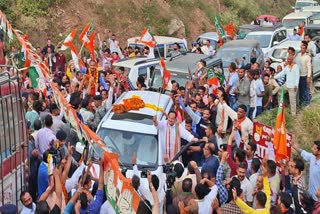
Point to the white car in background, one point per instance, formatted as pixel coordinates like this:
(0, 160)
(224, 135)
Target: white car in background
(315, 10)
(293, 20)
(268, 37)
(304, 3)
(138, 66)
(163, 47)
(280, 53)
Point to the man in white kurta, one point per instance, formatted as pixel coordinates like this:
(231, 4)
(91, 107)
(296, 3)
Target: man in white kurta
(170, 132)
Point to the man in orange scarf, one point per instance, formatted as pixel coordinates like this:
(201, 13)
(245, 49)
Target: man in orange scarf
(170, 132)
(230, 29)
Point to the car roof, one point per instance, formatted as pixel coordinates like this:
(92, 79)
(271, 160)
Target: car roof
(270, 17)
(210, 35)
(298, 15)
(159, 39)
(311, 8)
(130, 62)
(269, 29)
(240, 44)
(184, 62)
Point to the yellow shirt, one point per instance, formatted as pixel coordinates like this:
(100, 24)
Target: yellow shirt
(246, 209)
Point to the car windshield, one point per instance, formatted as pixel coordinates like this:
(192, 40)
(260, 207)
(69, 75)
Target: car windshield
(264, 40)
(228, 56)
(300, 4)
(315, 15)
(157, 79)
(126, 144)
(292, 23)
(282, 53)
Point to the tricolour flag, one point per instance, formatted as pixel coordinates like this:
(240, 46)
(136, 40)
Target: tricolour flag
(147, 38)
(78, 63)
(87, 37)
(164, 73)
(68, 40)
(280, 132)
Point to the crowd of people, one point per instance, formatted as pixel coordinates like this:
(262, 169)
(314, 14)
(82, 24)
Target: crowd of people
(232, 179)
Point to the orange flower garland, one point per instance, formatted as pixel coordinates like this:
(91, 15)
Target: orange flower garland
(134, 103)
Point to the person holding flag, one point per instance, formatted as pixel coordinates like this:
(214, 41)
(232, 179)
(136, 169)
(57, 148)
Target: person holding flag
(150, 42)
(220, 29)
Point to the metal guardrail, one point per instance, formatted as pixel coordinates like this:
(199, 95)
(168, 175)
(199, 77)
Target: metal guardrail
(12, 138)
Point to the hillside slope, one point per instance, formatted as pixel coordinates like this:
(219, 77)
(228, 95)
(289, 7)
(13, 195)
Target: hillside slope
(56, 18)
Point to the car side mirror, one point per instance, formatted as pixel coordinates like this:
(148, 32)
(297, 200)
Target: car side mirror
(275, 43)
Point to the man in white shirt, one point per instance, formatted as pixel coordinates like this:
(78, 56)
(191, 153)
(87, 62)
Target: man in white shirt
(254, 168)
(253, 95)
(303, 59)
(170, 132)
(29, 206)
(245, 183)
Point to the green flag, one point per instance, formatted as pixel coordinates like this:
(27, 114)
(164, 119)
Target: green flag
(219, 27)
(33, 75)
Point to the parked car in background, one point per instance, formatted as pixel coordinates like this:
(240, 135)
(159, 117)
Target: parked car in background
(293, 20)
(315, 10)
(243, 30)
(164, 45)
(268, 37)
(304, 3)
(313, 30)
(280, 53)
(179, 68)
(237, 49)
(213, 37)
(273, 19)
(139, 66)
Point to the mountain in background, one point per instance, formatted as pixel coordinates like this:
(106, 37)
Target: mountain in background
(56, 18)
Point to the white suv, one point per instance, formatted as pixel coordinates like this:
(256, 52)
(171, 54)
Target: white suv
(268, 37)
(139, 66)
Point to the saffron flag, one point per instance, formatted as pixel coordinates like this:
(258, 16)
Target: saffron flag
(87, 37)
(147, 38)
(280, 132)
(68, 40)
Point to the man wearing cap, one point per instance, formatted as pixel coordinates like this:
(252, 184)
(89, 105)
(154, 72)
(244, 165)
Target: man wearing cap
(314, 171)
(99, 112)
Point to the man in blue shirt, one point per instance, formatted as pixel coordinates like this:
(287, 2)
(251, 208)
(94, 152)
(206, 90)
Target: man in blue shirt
(43, 177)
(295, 36)
(314, 171)
(259, 92)
(211, 163)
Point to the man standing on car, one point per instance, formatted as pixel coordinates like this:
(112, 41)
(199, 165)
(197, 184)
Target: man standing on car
(304, 62)
(170, 132)
(291, 71)
(312, 50)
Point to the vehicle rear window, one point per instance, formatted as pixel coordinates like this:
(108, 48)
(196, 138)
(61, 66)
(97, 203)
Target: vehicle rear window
(133, 117)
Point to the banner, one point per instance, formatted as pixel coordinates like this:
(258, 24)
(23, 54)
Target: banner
(261, 133)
